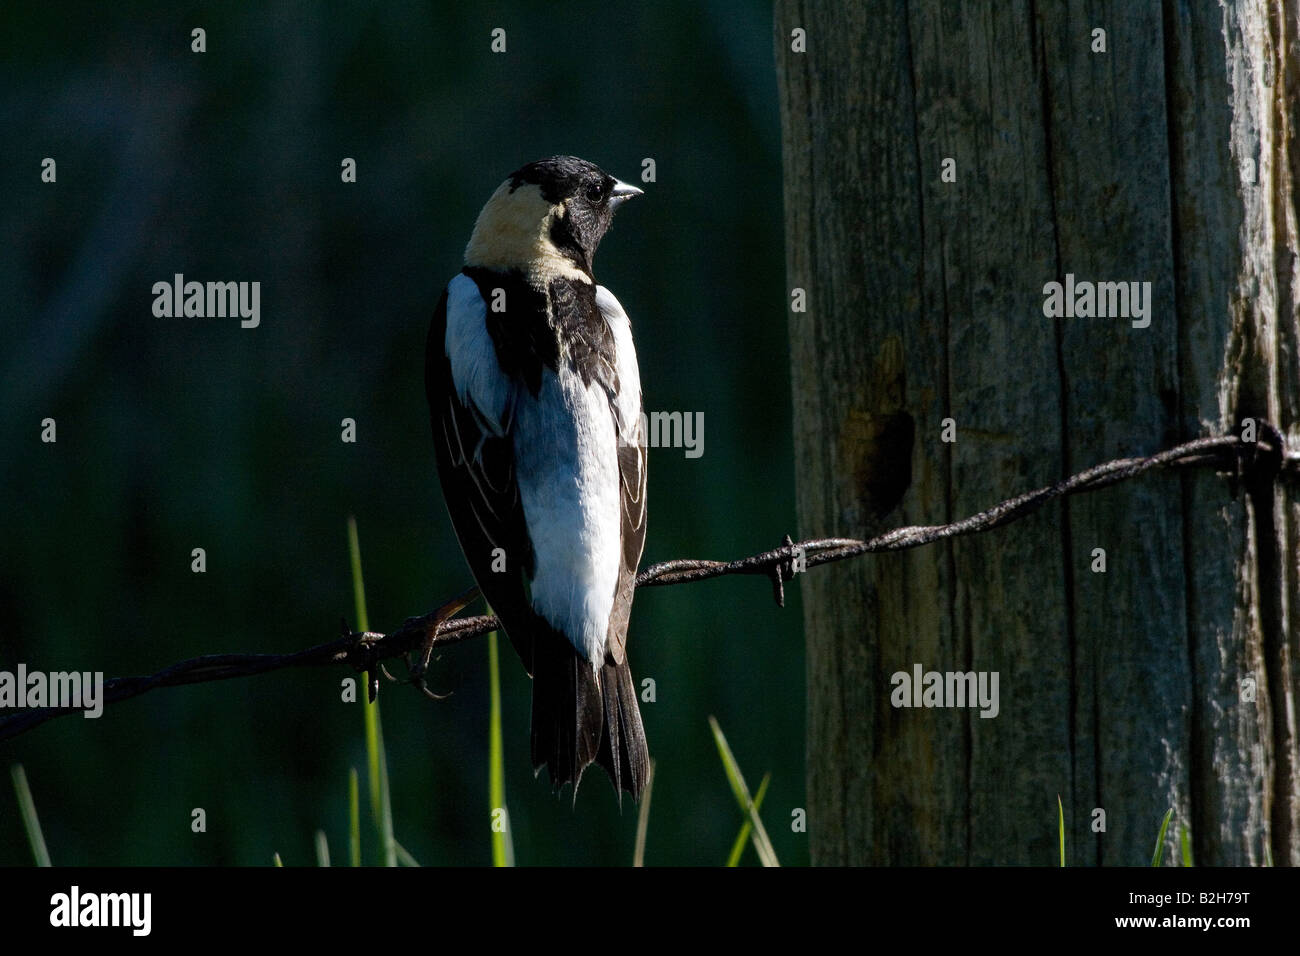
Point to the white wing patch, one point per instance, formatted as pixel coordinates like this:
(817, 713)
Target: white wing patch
(629, 376)
(569, 488)
(475, 371)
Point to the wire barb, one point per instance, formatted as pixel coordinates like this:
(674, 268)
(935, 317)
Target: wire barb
(1257, 463)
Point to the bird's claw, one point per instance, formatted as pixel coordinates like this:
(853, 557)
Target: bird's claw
(420, 667)
(415, 675)
(362, 655)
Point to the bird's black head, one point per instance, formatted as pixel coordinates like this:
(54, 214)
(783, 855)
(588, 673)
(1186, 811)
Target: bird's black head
(557, 208)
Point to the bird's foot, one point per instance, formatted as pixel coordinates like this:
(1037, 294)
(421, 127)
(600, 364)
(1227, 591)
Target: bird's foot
(432, 624)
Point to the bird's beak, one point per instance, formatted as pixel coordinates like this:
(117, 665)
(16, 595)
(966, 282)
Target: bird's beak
(622, 192)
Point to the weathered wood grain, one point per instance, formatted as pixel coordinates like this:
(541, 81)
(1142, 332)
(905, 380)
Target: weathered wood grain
(1120, 691)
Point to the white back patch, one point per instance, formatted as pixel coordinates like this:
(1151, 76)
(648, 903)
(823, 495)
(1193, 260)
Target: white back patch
(570, 491)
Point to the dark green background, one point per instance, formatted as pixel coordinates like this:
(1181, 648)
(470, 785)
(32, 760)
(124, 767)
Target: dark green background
(183, 433)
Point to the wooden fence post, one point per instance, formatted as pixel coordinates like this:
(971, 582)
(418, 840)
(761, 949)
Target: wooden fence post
(944, 163)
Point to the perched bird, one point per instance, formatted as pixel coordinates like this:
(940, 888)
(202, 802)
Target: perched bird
(535, 402)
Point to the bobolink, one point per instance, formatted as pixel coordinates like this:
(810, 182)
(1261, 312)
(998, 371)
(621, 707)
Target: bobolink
(535, 401)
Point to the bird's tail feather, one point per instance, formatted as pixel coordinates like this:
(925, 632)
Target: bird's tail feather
(623, 752)
(584, 715)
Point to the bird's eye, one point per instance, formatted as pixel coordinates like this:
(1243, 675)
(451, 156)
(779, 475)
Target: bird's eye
(595, 192)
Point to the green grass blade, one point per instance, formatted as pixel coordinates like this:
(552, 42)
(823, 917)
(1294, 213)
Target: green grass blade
(643, 818)
(27, 807)
(747, 828)
(1060, 826)
(404, 857)
(354, 818)
(737, 780)
(275, 860)
(322, 849)
(1160, 840)
(503, 850)
(358, 584)
(386, 838)
(1185, 842)
(381, 809)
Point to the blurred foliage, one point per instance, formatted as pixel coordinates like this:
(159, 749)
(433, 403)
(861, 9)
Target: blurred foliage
(183, 433)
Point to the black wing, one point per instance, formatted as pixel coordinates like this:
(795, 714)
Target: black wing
(623, 751)
(477, 470)
(632, 476)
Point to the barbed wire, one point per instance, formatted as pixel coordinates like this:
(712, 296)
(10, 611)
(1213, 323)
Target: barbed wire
(1264, 459)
